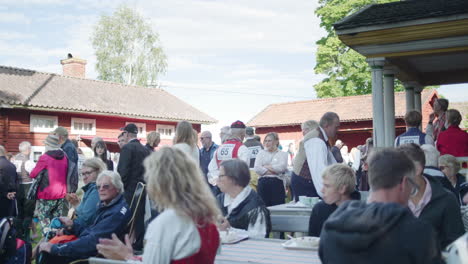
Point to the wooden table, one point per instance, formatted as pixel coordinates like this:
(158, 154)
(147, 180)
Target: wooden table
(264, 251)
(289, 219)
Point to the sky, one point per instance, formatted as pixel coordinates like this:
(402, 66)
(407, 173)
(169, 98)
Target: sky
(228, 58)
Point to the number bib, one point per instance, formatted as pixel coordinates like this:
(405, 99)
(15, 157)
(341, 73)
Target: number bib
(409, 140)
(225, 152)
(254, 151)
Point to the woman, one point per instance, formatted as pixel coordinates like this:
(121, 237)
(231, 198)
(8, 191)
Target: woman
(185, 231)
(454, 140)
(241, 206)
(152, 140)
(53, 165)
(436, 126)
(301, 181)
(270, 165)
(112, 217)
(452, 181)
(86, 210)
(339, 184)
(100, 151)
(185, 140)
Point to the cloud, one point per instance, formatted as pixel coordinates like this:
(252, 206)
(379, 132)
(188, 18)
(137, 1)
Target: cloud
(14, 18)
(6, 35)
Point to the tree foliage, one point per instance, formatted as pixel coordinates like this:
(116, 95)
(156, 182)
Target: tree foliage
(127, 49)
(347, 71)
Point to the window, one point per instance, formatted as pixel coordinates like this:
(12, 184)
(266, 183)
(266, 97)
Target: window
(166, 131)
(42, 123)
(36, 152)
(141, 129)
(81, 126)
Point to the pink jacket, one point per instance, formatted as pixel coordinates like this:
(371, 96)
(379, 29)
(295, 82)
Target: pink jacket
(56, 164)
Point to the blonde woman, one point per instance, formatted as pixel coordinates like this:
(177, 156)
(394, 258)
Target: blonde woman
(152, 140)
(185, 231)
(453, 180)
(186, 141)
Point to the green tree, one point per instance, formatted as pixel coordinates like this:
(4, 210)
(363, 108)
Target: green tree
(127, 49)
(347, 71)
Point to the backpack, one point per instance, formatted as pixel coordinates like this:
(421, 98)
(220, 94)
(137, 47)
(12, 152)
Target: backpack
(72, 176)
(7, 240)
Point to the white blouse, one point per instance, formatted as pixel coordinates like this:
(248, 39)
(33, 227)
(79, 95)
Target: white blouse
(278, 160)
(193, 152)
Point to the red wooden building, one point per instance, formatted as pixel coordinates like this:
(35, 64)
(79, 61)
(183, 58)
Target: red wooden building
(33, 103)
(355, 114)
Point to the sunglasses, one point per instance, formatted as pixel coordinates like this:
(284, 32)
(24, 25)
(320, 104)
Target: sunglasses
(103, 186)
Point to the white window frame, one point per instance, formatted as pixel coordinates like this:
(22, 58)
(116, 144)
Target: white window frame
(164, 136)
(44, 117)
(139, 125)
(84, 121)
(36, 149)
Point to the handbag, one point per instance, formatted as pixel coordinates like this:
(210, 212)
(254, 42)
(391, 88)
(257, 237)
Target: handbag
(38, 182)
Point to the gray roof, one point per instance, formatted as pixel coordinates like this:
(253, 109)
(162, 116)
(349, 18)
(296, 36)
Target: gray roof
(402, 11)
(32, 89)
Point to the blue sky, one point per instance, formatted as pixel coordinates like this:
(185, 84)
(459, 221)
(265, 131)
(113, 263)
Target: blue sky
(215, 48)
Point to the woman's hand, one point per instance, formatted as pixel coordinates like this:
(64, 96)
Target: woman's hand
(115, 249)
(67, 222)
(45, 246)
(73, 199)
(224, 225)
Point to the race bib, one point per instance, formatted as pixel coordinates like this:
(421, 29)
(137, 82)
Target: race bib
(409, 140)
(254, 151)
(225, 152)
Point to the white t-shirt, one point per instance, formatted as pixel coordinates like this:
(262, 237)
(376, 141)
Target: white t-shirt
(191, 151)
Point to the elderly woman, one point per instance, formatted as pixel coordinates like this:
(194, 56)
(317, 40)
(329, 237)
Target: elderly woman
(339, 184)
(100, 151)
(453, 141)
(53, 166)
(271, 164)
(453, 180)
(185, 231)
(301, 180)
(185, 140)
(152, 140)
(242, 207)
(86, 210)
(112, 217)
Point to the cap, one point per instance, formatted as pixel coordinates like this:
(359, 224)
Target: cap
(238, 124)
(249, 131)
(52, 141)
(61, 131)
(130, 128)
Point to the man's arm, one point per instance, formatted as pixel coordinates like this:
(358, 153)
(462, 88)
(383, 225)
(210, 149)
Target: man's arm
(452, 226)
(213, 170)
(244, 154)
(124, 167)
(316, 153)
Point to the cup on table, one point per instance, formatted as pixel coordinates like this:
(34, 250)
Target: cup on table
(314, 200)
(304, 200)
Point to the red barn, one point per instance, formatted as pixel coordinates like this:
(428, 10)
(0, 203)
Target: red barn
(355, 114)
(33, 103)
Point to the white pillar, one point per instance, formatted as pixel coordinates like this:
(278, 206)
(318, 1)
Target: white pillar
(389, 107)
(376, 65)
(417, 98)
(409, 88)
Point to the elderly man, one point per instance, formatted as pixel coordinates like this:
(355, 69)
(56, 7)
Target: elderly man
(66, 144)
(224, 133)
(413, 134)
(232, 148)
(384, 230)
(25, 206)
(207, 151)
(112, 216)
(7, 184)
(253, 145)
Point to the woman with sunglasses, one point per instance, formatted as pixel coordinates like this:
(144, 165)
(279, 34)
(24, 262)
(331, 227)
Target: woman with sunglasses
(452, 180)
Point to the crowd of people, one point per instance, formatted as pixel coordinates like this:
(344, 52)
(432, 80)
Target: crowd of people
(168, 204)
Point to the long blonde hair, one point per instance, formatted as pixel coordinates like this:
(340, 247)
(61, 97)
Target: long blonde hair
(175, 181)
(184, 134)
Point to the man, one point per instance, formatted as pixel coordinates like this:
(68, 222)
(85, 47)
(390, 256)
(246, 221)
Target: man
(206, 151)
(432, 161)
(413, 134)
(318, 152)
(432, 203)
(384, 230)
(131, 170)
(122, 140)
(7, 185)
(435, 127)
(66, 145)
(224, 133)
(336, 151)
(25, 206)
(232, 148)
(253, 145)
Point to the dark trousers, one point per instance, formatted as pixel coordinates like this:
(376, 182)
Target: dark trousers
(302, 187)
(25, 212)
(271, 190)
(46, 258)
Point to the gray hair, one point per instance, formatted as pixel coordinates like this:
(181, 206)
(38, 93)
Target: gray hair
(431, 154)
(115, 179)
(451, 161)
(225, 133)
(237, 133)
(328, 118)
(310, 125)
(96, 164)
(24, 146)
(237, 170)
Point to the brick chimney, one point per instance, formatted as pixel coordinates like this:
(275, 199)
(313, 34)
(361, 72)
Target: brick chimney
(74, 67)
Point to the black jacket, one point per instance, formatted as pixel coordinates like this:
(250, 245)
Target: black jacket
(7, 184)
(448, 185)
(130, 166)
(376, 233)
(443, 213)
(70, 149)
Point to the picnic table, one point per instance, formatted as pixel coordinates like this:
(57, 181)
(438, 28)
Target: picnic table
(264, 251)
(289, 218)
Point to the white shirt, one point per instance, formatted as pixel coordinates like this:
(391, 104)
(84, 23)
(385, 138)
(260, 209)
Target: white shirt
(191, 151)
(318, 158)
(256, 230)
(277, 159)
(170, 237)
(243, 154)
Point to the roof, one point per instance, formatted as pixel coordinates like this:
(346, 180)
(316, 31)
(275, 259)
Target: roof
(402, 11)
(31, 89)
(462, 107)
(349, 109)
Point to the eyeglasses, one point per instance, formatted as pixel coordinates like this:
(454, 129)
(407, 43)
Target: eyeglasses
(103, 186)
(87, 173)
